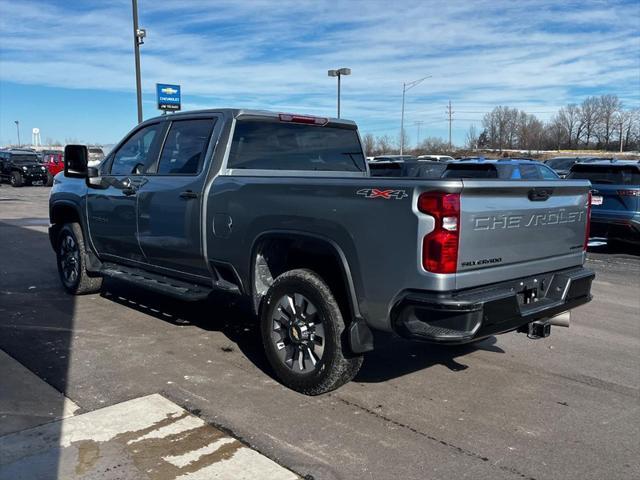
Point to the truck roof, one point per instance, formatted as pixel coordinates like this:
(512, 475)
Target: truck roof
(247, 112)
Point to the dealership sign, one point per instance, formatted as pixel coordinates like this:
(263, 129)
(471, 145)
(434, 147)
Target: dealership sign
(168, 96)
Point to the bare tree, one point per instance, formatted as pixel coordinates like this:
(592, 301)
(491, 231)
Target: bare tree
(556, 134)
(569, 118)
(383, 144)
(471, 139)
(589, 115)
(368, 144)
(433, 145)
(530, 131)
(608, 108)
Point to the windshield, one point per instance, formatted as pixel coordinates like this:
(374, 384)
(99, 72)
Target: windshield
(615, 175)
(289, 146)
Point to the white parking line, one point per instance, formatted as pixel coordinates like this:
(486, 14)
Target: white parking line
(146, 438)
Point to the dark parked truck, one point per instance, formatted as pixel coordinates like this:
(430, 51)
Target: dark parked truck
(281, 209)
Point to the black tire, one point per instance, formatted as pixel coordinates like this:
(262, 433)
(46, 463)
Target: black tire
(49, 182)
(16, 179)
(71, 253)
(313, 375)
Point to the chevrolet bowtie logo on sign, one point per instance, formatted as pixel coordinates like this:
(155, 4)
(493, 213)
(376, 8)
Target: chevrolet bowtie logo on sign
(168, 96)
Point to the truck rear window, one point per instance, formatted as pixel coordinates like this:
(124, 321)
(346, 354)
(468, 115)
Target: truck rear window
(615, 174)
(287, 146)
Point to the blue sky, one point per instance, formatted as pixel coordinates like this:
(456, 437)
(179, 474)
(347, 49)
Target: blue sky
(67, 67)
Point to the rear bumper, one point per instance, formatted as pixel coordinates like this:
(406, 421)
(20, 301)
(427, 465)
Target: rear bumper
(469, 315)
(616, 227)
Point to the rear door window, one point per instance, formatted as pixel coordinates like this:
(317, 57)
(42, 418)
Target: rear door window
(185, 147)
(615, 174)
(288, 146)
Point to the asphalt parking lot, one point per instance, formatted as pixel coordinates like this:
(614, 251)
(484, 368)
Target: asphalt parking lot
(565, 407)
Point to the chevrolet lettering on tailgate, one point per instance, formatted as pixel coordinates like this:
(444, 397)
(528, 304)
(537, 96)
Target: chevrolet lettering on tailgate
(551, 217)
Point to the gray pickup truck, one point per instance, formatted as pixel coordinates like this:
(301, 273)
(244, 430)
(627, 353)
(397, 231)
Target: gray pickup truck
(281, 209)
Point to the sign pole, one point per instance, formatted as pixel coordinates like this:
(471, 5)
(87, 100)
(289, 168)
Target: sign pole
(136, 47)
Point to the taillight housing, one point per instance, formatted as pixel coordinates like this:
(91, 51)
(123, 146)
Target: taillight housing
(440, 247)
(588, 224)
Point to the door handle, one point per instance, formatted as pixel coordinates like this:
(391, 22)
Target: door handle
(128, 191)
(188, 194)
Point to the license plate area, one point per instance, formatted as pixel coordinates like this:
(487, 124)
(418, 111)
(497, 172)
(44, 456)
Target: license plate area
(596, 200)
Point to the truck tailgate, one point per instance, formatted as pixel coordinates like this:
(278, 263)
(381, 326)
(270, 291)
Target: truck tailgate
(510, 228)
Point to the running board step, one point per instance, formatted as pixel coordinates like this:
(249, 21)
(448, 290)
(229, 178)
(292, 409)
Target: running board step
(157, 283)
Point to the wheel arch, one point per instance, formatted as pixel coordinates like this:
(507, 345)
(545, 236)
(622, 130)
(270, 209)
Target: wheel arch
(276, 251)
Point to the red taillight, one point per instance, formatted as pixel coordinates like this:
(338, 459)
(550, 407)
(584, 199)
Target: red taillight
(440, 247)
(588, 224)
(285, 117)
(629, 193)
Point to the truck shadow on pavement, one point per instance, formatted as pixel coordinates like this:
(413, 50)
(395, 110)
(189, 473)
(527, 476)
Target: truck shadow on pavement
(393, 356)
(36, 334)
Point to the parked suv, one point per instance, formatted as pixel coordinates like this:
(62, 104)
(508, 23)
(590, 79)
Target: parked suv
(281, 210)
(615, 206)
(505, 169)
(21, 167)
(54, 163)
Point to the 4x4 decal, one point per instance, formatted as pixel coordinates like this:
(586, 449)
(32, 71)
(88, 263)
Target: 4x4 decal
(386, 194)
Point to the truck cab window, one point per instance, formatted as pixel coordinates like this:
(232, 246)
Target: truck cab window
(287, 146)
(134, 155)
(185, 147)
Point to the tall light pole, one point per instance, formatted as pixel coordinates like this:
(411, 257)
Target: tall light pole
(338, 73)
(17, 122)
(138, 39)
(405, 87)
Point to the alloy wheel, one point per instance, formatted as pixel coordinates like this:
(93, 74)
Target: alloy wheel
(297, 333)
(69, 259)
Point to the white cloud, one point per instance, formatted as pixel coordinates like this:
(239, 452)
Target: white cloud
(274, 54)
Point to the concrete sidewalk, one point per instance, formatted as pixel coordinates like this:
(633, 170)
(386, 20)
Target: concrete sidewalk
(149, 438)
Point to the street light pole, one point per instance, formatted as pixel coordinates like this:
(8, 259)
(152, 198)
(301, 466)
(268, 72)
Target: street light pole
(405, 87)
(138, 39)
(17, 122)
(338, 73)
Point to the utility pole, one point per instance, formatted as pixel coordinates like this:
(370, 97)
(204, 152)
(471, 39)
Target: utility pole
(418, 123)
(138, 39)
(450, 113)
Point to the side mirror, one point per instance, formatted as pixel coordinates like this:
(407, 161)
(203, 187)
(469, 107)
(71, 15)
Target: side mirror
(76, 158)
